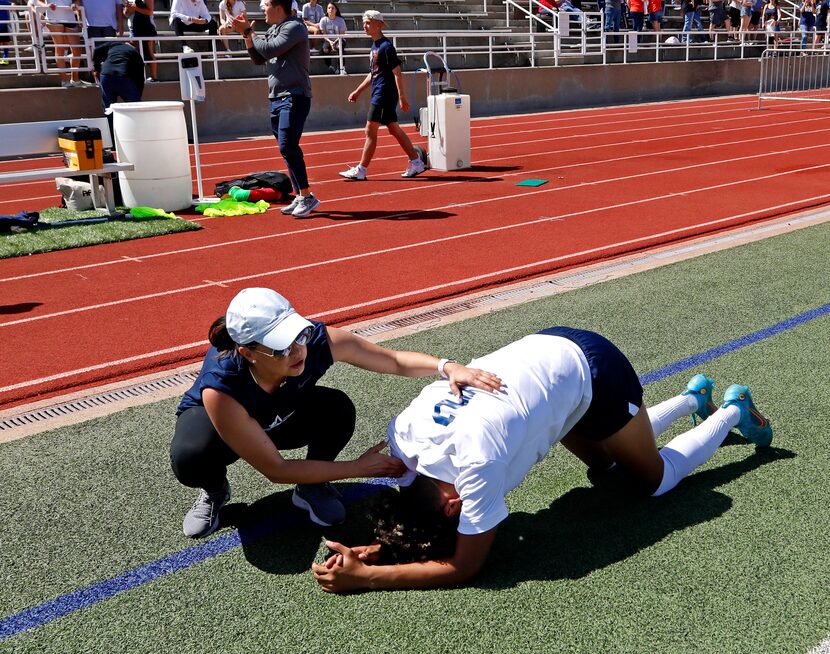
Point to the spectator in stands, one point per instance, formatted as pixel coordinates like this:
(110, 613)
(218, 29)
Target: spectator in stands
(734, 12)
(718, 17)
(746, 15)
(295, 8)
(119, 71)
(636, 11)
(691, 17)
(386, 81)
(285, 52)
(655, 14)
(312, 15)
(807, 22)
(191, 16)
(5, 28)
(104, 18)
(332, 26)
(772, 19)
(757, 12)
(228, 10)
(821, 21)
(62, 25)
(139, 15)
(613, 16)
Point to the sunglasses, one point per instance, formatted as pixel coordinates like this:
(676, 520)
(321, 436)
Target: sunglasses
(302, 339)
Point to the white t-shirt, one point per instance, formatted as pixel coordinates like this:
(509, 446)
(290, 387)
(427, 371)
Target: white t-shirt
(313, 13)
(486, 445)
(237, 10)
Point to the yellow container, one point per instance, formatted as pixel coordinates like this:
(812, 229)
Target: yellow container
(82, 147)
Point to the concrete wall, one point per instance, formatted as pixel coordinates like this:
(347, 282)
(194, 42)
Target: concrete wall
(239, 107)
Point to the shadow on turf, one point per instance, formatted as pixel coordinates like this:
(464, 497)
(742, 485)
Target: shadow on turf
(278, 538)
(587, 529)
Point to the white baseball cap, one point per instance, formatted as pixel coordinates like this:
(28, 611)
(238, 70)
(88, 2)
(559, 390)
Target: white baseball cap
(260, 315)
(373, 14)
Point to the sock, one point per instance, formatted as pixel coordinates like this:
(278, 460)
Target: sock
(665, 413)
(686, 452)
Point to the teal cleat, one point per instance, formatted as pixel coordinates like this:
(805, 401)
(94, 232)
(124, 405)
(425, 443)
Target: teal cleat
(752, 425)
(700, 386)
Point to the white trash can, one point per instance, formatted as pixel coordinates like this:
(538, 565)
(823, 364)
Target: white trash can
(153, 137)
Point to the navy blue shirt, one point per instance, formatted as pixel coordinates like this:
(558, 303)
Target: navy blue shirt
(229, 374)
(383, 59)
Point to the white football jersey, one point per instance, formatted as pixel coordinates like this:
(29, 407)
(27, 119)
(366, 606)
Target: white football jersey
(486, 443)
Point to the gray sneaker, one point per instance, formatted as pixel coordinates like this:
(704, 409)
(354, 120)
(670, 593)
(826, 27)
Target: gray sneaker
(305, 206)
(321, 501)
(203, 518)
(289, 208)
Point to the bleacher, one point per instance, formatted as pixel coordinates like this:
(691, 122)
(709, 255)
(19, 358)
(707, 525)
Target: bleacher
(479, 34)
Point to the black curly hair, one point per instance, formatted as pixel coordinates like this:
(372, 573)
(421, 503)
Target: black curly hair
(411, 525)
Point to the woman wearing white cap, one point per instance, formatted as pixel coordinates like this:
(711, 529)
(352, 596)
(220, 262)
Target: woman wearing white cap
(256, 395)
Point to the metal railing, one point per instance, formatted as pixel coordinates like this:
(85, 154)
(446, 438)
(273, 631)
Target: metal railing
(551, 39)
(797, 75)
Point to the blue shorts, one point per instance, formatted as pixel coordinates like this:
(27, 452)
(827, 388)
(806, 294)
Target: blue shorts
(617, 393)
(655, 16)
(746, 11)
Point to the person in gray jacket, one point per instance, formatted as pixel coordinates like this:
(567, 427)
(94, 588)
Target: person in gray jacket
(285, 52)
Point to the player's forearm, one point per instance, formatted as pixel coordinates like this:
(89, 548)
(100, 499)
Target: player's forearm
(428, 574)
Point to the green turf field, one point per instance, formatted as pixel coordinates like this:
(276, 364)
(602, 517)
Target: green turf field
(733, 560)
(35, 241)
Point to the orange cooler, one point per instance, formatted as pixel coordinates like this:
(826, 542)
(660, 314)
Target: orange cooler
(82, 147)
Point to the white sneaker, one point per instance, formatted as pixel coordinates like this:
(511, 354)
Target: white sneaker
(415, 167)
(306, 205)
(356, 173)
(187, 49)
(67, 83)
(289, 209)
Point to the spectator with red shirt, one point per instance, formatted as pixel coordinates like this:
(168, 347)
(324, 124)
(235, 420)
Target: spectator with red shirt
(636, 10)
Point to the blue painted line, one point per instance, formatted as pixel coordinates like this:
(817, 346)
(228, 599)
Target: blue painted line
(46, 612)
(731, 346)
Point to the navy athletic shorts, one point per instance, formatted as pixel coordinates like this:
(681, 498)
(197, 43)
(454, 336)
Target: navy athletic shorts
(617, 392)
(384, 114)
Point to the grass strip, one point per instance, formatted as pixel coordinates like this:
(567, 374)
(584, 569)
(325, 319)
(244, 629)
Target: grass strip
(36, 241)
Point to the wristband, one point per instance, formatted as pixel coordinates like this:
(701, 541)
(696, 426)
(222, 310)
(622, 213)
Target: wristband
(248, 31)
(441, 364)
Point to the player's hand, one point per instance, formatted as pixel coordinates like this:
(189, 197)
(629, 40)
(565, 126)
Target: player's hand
(460, 375)
(405, 105)
(369, 554)
(342, 572)
(374, 464)
(353, 96)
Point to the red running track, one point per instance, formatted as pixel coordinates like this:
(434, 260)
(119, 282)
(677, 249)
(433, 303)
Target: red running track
(621, 179)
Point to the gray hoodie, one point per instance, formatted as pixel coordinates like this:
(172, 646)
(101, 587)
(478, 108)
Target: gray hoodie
(285, 52)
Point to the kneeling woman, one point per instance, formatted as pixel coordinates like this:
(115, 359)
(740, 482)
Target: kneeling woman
(257, 394)
(464, 455)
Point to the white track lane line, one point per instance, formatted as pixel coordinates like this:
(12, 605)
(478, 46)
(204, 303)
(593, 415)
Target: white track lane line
(394, 146)
(322, 314)
(420, 188)
(409, 246)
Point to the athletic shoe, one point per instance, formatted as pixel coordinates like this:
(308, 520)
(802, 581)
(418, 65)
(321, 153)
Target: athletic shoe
(150, 80)
(752, 424)
(67, 83)
(83, 83)
(187, 49)
(414, 167)
(355, 173)
(203, 518)
(305, 206)
(4, 62)
(289, 209)
(700, 387)
(321, 501)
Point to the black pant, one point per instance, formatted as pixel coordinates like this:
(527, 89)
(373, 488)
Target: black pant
(180, 28)
(324, 420)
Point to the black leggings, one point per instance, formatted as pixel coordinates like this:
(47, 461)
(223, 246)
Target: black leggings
(324, 420)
